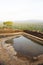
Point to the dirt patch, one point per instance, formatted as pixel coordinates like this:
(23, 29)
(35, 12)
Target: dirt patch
(9, 30)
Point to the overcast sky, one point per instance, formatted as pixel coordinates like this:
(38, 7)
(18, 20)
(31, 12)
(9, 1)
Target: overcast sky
(16, 10)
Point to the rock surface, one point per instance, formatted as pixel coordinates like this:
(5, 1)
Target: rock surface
(8, 56)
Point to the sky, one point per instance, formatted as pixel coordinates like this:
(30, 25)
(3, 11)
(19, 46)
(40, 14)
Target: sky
(19, 10)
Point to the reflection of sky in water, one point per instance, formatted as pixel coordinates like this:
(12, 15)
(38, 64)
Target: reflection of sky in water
(27, 47)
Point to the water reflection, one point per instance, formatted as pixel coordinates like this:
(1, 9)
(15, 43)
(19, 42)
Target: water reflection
(27, 47)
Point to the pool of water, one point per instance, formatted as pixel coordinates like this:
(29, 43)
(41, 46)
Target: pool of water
(27, 47)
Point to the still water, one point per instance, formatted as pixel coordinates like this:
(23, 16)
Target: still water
(27, 47)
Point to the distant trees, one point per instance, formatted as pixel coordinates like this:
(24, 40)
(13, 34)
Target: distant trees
(8, 24)
(31, 26)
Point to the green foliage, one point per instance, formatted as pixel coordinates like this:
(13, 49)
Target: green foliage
(8, 24)
(35, 27)
(24, 26)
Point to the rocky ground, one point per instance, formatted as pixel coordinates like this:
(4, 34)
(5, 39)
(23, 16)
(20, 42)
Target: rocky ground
(8, 56)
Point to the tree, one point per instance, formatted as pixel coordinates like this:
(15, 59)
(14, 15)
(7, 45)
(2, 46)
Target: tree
(8, 24)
